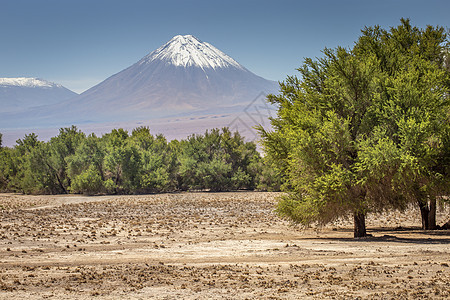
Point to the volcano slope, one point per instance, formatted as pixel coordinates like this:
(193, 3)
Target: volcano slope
(209, 246)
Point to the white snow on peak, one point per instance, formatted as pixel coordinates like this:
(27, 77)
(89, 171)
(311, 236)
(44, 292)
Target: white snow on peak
(27, 82)
(187, 50)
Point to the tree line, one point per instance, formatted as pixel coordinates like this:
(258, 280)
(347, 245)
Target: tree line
(140, 162)
(366, 129)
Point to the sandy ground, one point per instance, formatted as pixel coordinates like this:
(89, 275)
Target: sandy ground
(209, 246)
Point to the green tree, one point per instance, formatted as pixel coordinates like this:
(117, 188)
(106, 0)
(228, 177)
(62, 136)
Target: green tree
(363, 129)
(87, 160)
(217, 161)
(60, 148)
(158, 162)
(19, 167)
(31, 170)
(414, 106)
(198, 152)
(87, 182)
(122, 162)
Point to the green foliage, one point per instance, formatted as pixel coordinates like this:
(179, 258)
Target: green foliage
(110, 186)
(122, 161)
(88, 182)
(158, 162)
(364, 129)
(119, 163)
(217, 161)
(39, 177)
(4, 166)
(28, 170)
(86, 162)
(266, 174)
(59, 148)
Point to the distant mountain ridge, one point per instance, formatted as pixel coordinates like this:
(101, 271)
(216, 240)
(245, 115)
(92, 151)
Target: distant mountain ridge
(17, 94)
(28, 82)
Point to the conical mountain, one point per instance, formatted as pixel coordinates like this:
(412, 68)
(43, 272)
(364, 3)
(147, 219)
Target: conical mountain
(184, 75)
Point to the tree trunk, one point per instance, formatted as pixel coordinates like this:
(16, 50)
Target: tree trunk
(61, 185)
(428, 214)
(424, 212)
(359, 225)
(432, 215)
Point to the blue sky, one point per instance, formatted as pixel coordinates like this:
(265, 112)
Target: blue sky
(80, 43)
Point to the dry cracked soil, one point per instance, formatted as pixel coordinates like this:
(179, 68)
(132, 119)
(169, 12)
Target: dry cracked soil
(210, 246)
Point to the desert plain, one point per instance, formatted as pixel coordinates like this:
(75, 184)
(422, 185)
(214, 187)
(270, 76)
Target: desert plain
(210, 246)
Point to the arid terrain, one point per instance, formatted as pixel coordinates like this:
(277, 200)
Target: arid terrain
(209, 246)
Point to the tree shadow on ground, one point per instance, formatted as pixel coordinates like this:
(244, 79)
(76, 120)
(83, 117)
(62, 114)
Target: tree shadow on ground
(395, 235)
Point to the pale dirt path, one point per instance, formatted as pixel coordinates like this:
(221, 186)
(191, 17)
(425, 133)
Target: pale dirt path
(208, 245)
(60, 200)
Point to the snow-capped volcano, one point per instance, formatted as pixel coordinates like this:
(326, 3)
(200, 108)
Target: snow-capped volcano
(188, 51)
(22, 93)
(184, 76)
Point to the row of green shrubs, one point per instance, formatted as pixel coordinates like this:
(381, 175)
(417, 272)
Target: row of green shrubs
(140, 162)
